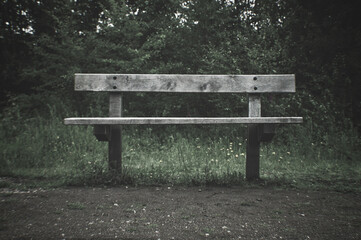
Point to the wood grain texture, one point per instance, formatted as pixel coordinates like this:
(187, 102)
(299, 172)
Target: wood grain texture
(252, 153)
(254, 105)
(177, 120)
(115, 104)
(115, 136)
(253, 143)
(101, 132)
(185, 83)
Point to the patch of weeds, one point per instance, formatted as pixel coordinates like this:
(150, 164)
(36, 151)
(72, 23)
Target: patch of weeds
(186, 217)
(289, 229)
(4, 184)
(277, 213)
(23, 182)
(7, 194)
(76, 206)
(132, 229)
(57, 155)
(129, 210)
(58, 211)
(302, 204)
(206, 231)
(136, 206)
(153, 225)
(100, 207)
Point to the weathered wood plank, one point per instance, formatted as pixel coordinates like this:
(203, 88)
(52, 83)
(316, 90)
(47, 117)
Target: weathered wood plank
(185, 83)
(252, 153)
(254, 105)
(101, 132)
(177, 120)
(115, 136)
(253, 143)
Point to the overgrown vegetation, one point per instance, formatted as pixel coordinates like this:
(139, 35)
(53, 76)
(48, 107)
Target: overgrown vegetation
(187, 155)
(44, 43)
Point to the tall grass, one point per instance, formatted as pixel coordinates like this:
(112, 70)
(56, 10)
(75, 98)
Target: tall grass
(47, 149)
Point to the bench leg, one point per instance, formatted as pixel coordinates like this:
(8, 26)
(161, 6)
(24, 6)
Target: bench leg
(115, 149)
(252, 155)
(101, 132)
(253, 143)
(115, 138)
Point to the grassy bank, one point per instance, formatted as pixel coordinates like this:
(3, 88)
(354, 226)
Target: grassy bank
(40, 148)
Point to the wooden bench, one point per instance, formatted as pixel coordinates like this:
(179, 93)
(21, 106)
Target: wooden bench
(259, 128)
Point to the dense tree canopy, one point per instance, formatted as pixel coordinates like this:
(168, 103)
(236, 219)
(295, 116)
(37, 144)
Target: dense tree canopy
(43, 43)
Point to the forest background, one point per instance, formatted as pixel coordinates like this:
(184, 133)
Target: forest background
(43, 43)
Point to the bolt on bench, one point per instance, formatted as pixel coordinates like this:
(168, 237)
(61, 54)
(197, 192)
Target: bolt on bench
(259, 128)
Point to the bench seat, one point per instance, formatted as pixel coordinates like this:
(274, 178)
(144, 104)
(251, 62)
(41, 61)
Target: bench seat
(178, 120)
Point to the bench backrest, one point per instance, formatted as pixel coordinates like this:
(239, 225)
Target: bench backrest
(185, 83)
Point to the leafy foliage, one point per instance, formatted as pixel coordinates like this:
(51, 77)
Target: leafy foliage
(45, 44)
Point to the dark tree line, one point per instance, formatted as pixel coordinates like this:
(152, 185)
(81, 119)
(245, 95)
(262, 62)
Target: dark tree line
(43, 43)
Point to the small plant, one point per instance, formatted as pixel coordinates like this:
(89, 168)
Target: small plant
(76, 206)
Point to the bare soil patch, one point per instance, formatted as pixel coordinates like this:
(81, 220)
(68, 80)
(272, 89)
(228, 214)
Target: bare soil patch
(178, 213)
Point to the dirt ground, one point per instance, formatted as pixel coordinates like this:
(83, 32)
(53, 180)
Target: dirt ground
(167, 212)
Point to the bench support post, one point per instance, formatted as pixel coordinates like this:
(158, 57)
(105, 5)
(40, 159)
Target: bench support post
(253, 142)
(101, 132)
(266, 132)
(115, 135)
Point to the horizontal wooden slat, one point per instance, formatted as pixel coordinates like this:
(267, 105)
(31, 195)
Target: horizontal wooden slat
(185, 83)
(178, 120)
